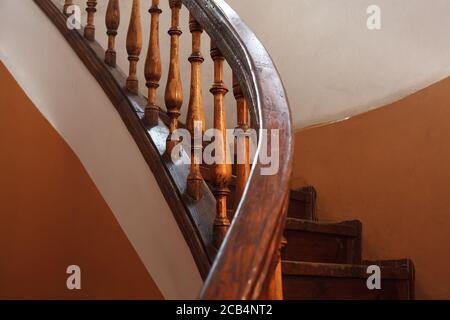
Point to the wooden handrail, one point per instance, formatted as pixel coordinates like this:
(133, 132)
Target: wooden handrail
(244, 260)
(247, 263)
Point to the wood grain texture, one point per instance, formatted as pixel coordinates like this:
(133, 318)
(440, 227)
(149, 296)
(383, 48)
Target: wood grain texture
(322, 281)
(134, 46)
(153, 70)
(195, 121)
(174, 90)
(303, 204)
(242, 141)
(311, 241)
(259, 220)
(221, 170)
(112, 20)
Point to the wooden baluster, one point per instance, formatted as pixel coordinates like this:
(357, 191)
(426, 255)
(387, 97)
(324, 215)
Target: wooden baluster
(89, 30)
(134, 46)
(112, 20)
(195, 119)
(67, 4)
(243, 143)
(274, 290)
(174, 89)
(153, 67)
(221, 172)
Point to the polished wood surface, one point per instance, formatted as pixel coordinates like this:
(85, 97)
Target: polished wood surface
(242, 141)
(324, 281)
(260, 217)
(89, 30)
(174, 89)
(134, 46)
(112, 20)
(153, 70)
(221, 170)
(195, 121)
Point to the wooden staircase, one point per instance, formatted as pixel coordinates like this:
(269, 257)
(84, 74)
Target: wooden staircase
(233, 217)
(323, 260)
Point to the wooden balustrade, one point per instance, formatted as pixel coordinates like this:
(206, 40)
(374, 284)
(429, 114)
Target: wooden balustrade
(195, 121)
(112, 20)
(174, 89)
(153, 67)
(134, 46)
(67, 4)
(221, 170)
(255, 271)
(89, 30)
(242, 141)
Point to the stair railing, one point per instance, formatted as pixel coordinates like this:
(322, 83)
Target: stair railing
(247, 264)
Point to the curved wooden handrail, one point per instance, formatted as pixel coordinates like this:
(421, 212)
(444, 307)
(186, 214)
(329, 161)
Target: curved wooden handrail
(243, 262)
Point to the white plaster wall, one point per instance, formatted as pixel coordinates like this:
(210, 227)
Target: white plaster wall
(69, 97)
(332, 66)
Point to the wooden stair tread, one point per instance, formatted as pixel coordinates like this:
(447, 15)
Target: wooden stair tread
(346, 228)
(313, 241)
(332, 270)
(328, 281)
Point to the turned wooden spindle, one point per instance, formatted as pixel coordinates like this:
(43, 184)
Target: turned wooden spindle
(243, 141)
(174, 89)
(195, 121)
(134, 46)
(153, 67)
(221, 171)
(112, 20)
(274, 290)
(67, 4)
(89, 30)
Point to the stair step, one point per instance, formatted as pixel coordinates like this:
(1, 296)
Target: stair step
(311, 241)
(327, 281)
(302, 204)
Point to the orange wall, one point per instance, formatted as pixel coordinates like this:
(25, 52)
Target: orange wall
(390, 168)
(52, 216)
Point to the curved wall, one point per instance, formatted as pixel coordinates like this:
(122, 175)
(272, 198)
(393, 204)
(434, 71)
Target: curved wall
(66, 94)
(390, 169)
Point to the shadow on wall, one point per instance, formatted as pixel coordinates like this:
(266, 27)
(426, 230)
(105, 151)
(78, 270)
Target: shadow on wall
(390, 168)
(52, 216)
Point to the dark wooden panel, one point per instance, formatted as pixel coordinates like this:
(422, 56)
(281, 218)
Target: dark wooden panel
(302, 204)
(315, 281)
(322, 242)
